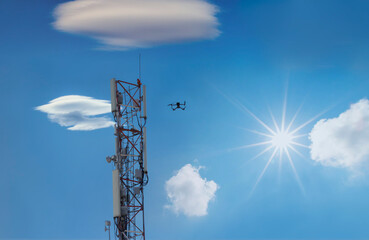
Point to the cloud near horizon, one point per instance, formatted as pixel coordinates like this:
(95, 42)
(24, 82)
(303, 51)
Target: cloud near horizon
(78, 112)
(189, 193)
(124, 24)
(343, 141)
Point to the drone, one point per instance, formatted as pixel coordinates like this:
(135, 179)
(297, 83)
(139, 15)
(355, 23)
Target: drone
(178, 105)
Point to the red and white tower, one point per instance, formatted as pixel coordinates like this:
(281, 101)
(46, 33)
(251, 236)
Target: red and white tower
(128, 105)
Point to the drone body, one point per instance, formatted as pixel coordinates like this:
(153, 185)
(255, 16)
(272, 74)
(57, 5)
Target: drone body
(178, 105)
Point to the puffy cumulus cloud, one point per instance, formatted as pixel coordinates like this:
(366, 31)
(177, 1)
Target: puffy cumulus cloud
(343, 141)
(189, 193)
(122, 24)
(78, 112)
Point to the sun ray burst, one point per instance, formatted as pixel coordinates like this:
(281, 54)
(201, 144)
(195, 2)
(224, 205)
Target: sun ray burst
(274, 121)
(294, 170)
(299, 144)
(281, 139)
(250, 145)
(296, 151)
(265, 168)
(262, 152)
(259, 133)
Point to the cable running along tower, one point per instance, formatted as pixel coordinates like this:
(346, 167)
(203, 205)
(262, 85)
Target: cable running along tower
(128, 105)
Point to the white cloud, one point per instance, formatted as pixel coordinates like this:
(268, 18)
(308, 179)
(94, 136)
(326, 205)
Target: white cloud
(121, 24)
(188, 193)
(343, 141)
(77, 112)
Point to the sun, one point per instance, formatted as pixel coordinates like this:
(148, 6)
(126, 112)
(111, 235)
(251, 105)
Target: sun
(280, 139)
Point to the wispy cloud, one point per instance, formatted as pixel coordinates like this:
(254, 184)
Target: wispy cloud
(78, 112)
(343, 141)
(189, 193)
(122, 24)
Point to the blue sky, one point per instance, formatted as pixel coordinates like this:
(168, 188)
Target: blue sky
(56, 184)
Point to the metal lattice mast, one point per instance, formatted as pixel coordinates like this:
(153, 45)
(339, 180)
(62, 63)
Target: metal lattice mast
(128, 105)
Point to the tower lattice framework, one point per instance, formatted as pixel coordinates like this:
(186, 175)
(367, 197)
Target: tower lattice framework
(128, 102)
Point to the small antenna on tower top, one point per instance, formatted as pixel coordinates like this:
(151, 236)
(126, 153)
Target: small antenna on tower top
(139, 66)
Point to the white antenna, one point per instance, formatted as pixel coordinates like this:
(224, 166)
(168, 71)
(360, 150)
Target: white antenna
(116, 194)
(113, 93)
(145, 149)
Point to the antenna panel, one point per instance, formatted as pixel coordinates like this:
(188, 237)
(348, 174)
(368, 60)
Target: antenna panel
(144, 149)
(113, 93)
(116, 194)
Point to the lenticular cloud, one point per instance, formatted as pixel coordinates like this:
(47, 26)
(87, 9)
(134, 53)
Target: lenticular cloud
(78, 112)
(189, 193)
(343, 141)
(122, 24)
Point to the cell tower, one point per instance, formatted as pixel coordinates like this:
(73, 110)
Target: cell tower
(128, 105)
